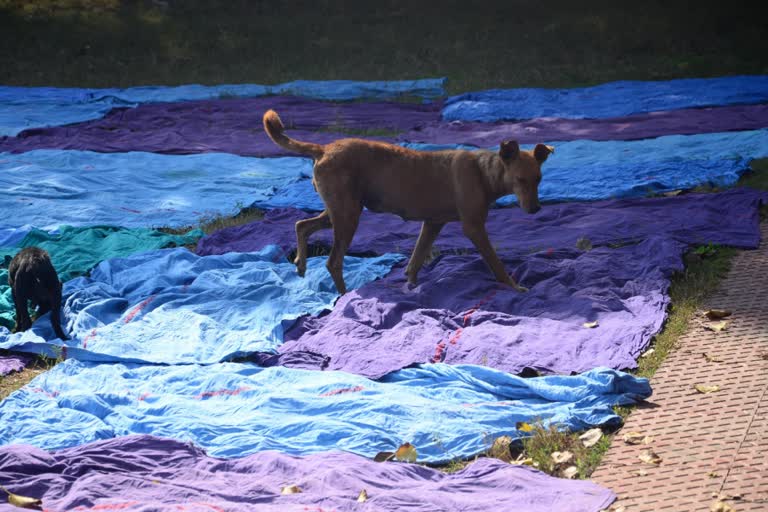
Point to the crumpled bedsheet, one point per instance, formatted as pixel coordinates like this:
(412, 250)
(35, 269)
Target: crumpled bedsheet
(144, 473)
(172, 306)
(236, 409)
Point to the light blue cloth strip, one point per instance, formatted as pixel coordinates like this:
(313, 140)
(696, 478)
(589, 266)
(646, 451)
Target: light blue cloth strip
(612, 99)
(232, 410)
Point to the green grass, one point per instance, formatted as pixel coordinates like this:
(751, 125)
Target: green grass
(106, 43)
(758, 177)
(13, 381)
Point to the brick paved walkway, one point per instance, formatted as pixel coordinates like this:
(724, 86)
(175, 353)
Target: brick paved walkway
(710, 444)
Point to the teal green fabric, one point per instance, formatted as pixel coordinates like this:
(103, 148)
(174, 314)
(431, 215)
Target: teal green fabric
(75, 250)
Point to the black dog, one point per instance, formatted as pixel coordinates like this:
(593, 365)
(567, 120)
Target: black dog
(32, 278)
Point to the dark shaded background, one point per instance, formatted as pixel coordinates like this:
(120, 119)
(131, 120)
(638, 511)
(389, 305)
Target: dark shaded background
(101, 43)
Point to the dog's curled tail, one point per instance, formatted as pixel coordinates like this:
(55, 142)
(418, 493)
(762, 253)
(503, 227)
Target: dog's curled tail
(276, 131)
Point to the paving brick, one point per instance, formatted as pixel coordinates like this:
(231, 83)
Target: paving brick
(710, 444)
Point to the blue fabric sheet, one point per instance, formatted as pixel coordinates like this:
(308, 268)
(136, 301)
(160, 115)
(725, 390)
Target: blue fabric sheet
(172, 306)
(233, 410)
(48, 188)
(585, 170)
(613, 99)
(34, 107)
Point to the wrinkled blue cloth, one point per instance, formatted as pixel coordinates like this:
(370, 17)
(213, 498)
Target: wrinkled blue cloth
(48, 188)
(233, 410)
(32, 107)
(612, 99)
(172, 306)
(585, 170)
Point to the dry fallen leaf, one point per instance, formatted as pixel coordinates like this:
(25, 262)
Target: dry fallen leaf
(672, 193)
(712, 359)
(591, 325)
(648, 352)
(649, 457)
(524, 427)
(706, 388)
(362, 497)
(712, 474)
(717, 314)
(636, 438)
(721, 506)
(384, 456)
(591, 437)
(22, 501)
(641, 472)
(406, 452)
(570, 472)
(620, 508)
(561, 457)
(523, 461)
(290, 489)
(584, 244)
(717, 327)
(500, 449)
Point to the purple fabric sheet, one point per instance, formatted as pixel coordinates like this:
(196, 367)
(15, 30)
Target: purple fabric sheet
(726, 218)
(383, 326)
(145, 473)
(459, 314)
(230, 125)
(12, 363)
(642, 126)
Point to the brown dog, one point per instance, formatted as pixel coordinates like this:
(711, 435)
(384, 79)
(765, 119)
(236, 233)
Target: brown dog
(433, 187)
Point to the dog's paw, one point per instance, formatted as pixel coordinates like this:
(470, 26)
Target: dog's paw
(521, 289)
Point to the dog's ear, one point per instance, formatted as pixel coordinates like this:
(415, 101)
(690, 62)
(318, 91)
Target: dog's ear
(542, 151)
(509, 149)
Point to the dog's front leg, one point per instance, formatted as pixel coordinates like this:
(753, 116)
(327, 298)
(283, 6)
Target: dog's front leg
(429, 232)
(476, 232)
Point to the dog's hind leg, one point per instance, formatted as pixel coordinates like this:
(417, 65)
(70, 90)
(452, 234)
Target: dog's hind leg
(429, 232)
(345, 220)
(304, 229)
